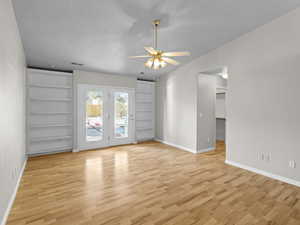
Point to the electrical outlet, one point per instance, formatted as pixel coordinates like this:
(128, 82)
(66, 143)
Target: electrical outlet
(13, 174)
(262, 156)
(16, 172)
(268, 157)
(292, 164)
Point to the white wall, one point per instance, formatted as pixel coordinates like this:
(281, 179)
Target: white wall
(12, 101)
(84, 77)
(262, 99)
(177, 109)
(206, 119)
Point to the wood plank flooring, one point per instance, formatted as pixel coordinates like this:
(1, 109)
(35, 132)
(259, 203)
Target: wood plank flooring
(149, 184)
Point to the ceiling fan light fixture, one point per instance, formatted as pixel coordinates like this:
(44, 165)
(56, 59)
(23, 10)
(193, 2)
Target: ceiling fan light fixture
(157, 58)
(156, 67)
(163, 64)
(149, 63)
(156, 62)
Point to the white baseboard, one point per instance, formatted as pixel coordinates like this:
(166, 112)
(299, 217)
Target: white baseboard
(264, 173)
(185, 148)
(206, 150)
(176, 146)
(12, 198)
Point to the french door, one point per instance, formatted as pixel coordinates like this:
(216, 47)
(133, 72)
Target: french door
(105, 116)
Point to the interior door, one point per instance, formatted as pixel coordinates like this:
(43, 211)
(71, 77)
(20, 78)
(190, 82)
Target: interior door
(93, 113)
(122, 121)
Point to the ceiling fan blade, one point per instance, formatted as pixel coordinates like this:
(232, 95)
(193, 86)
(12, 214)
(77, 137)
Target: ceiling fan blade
(176, 54)
(171, 61)
(151, 50)
(139, 56)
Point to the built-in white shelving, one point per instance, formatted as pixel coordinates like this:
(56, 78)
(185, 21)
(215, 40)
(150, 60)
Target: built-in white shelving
(46, 125)
(51, 99)
(49, 111)
(49, 150)
(145, 117)
(50, 138)
(49, 86)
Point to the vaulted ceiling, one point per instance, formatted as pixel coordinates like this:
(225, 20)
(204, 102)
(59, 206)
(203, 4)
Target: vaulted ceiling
(102, 34)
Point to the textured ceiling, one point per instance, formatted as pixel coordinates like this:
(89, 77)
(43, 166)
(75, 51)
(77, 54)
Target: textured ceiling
(101, 34)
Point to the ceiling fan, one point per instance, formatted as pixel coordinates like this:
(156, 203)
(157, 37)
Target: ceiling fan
(157, 58)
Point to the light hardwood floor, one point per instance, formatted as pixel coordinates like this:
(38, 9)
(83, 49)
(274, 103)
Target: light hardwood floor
(150, 184)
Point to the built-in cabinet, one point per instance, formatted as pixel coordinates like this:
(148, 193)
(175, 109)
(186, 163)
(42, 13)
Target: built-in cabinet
(49, 111)
(145, 111)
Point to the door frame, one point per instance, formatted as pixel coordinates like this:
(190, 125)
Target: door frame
(108, 114)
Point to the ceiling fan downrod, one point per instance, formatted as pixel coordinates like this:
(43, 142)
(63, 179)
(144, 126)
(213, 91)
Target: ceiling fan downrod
(155, 23)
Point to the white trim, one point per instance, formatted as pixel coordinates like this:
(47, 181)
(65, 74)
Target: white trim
(12, 198)
(204, 70)
(176, 146)
(75, 150)
(264, 173)
(206, 150)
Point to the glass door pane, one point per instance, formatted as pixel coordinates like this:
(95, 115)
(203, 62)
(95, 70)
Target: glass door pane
(94, 115)
(121, 114)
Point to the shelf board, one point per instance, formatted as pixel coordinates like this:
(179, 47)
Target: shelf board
(52, 99)
(137, 120)
(144, 93)
(51, 150)
(143, 129)
(143, 111)
(46, 125)
(50, 113)
(49, 73)
(144, 102)
(39, 139)
(49, 86)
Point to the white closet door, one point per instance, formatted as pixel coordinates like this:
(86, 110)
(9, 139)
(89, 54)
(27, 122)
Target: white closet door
(145, 111)
(49, 111)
